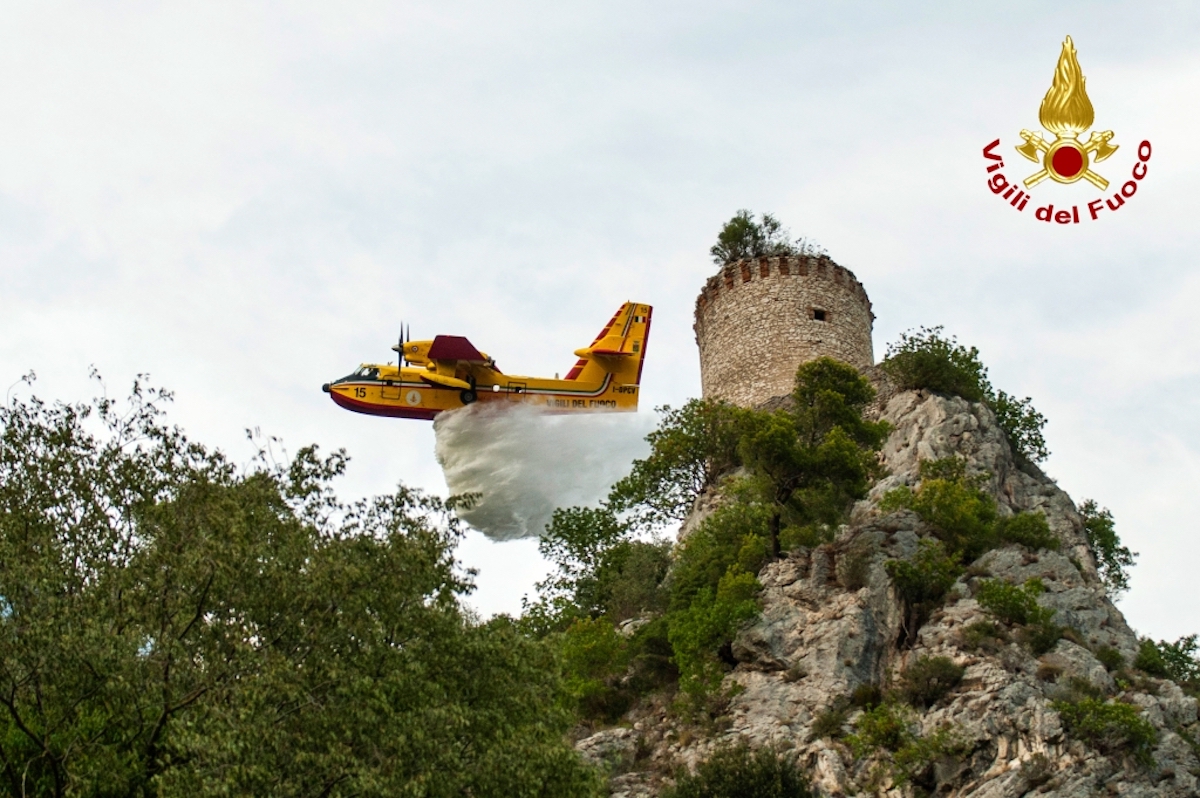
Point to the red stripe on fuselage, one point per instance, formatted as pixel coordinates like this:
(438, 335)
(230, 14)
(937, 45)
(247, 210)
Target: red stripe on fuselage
(390, 411)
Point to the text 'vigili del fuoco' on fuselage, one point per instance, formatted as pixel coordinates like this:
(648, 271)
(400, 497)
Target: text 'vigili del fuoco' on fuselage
(449, 372)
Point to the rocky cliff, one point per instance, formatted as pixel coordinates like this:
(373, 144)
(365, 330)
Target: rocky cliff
(822, 636)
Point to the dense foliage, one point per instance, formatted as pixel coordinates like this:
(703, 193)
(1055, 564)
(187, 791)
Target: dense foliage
(801, 470)
(1113, 727)
(926, 360)
(927, 680)
(965, 523)
(739, 772)
(1022, 425)
(691, 448)
(922, 583)
(1014, 603)
(742, 237)
(1178, 661)
(809, 463)
(1018, 605)
(963, 516)
(175, 625)
(1113, 560)
(602, 576)
(887, 730)
(714, 591)
(601, 570)
(805, 466)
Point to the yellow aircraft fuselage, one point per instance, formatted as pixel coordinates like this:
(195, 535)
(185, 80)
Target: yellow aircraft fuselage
(447, 373)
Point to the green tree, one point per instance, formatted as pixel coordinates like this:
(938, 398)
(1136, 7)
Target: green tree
(926, 360)
(1182, 660)
(602, 576)
(742, 237)
(1012, 603)
(594, 658)
(1113, 560)
(691, 448)
(805, 466)
(1022, 425)
(600, 570)
(700, 629)
(1031, 530)
(1178, 661)
(927, 680)
(812, 462)
(173, 625)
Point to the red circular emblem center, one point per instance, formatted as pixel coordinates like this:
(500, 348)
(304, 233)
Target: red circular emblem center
(1067, 161)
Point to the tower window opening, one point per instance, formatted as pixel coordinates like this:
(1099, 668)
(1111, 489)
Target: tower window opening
(819, 315)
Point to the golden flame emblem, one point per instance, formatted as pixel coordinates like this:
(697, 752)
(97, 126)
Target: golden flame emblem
(1067, 113)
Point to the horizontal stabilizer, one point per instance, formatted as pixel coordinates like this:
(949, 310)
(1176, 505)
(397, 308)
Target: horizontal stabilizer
(455, 347)
(592, 351)
(619, 350)
(446, 382)
(606, 346)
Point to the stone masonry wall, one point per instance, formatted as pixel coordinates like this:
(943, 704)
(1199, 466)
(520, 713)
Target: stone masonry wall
(758, 320)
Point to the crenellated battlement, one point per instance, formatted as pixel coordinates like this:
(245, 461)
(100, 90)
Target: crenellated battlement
(757, 320)
(744, 271)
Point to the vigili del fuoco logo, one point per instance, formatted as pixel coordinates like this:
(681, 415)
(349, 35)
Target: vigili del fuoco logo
(1067, 113)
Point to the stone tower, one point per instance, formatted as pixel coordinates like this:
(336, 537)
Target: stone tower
(758, 320)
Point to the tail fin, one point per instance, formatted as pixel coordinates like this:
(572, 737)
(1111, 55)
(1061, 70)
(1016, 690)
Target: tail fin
(619, 349)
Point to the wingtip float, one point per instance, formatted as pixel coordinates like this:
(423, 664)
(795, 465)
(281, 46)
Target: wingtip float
(448, 372)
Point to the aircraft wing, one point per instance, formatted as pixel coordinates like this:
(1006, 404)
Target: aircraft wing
(445, 381)
(455, 347)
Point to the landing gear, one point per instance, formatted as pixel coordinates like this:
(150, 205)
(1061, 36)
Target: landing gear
(468, 395)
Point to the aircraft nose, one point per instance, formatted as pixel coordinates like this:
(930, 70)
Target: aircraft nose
(325, 387)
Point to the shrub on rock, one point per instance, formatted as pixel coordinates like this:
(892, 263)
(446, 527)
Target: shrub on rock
(928, 680)
(741, 772)
(1110, 726)
(1028, 529)
(1014, 604)
(926, 360)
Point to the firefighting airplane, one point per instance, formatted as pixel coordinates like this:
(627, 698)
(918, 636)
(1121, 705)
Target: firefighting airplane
(449, 372)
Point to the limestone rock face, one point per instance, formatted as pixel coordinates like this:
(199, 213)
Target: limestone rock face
(610, 750)
(816, 641)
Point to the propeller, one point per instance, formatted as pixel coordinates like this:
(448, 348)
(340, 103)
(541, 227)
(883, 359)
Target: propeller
(405, 337)
(399, 347)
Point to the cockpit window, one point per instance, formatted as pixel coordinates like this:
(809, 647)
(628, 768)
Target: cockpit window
(368, 372)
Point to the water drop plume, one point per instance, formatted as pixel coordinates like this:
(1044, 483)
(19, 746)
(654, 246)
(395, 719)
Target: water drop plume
(525, 463)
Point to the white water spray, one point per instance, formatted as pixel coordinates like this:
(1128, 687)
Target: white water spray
(525, 463)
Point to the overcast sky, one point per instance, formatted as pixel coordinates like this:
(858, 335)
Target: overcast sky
(245, 199)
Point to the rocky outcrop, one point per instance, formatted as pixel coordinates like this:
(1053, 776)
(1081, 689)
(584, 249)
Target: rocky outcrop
(817, 640)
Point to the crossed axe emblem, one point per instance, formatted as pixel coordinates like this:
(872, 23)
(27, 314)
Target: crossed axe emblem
(1035, 144)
